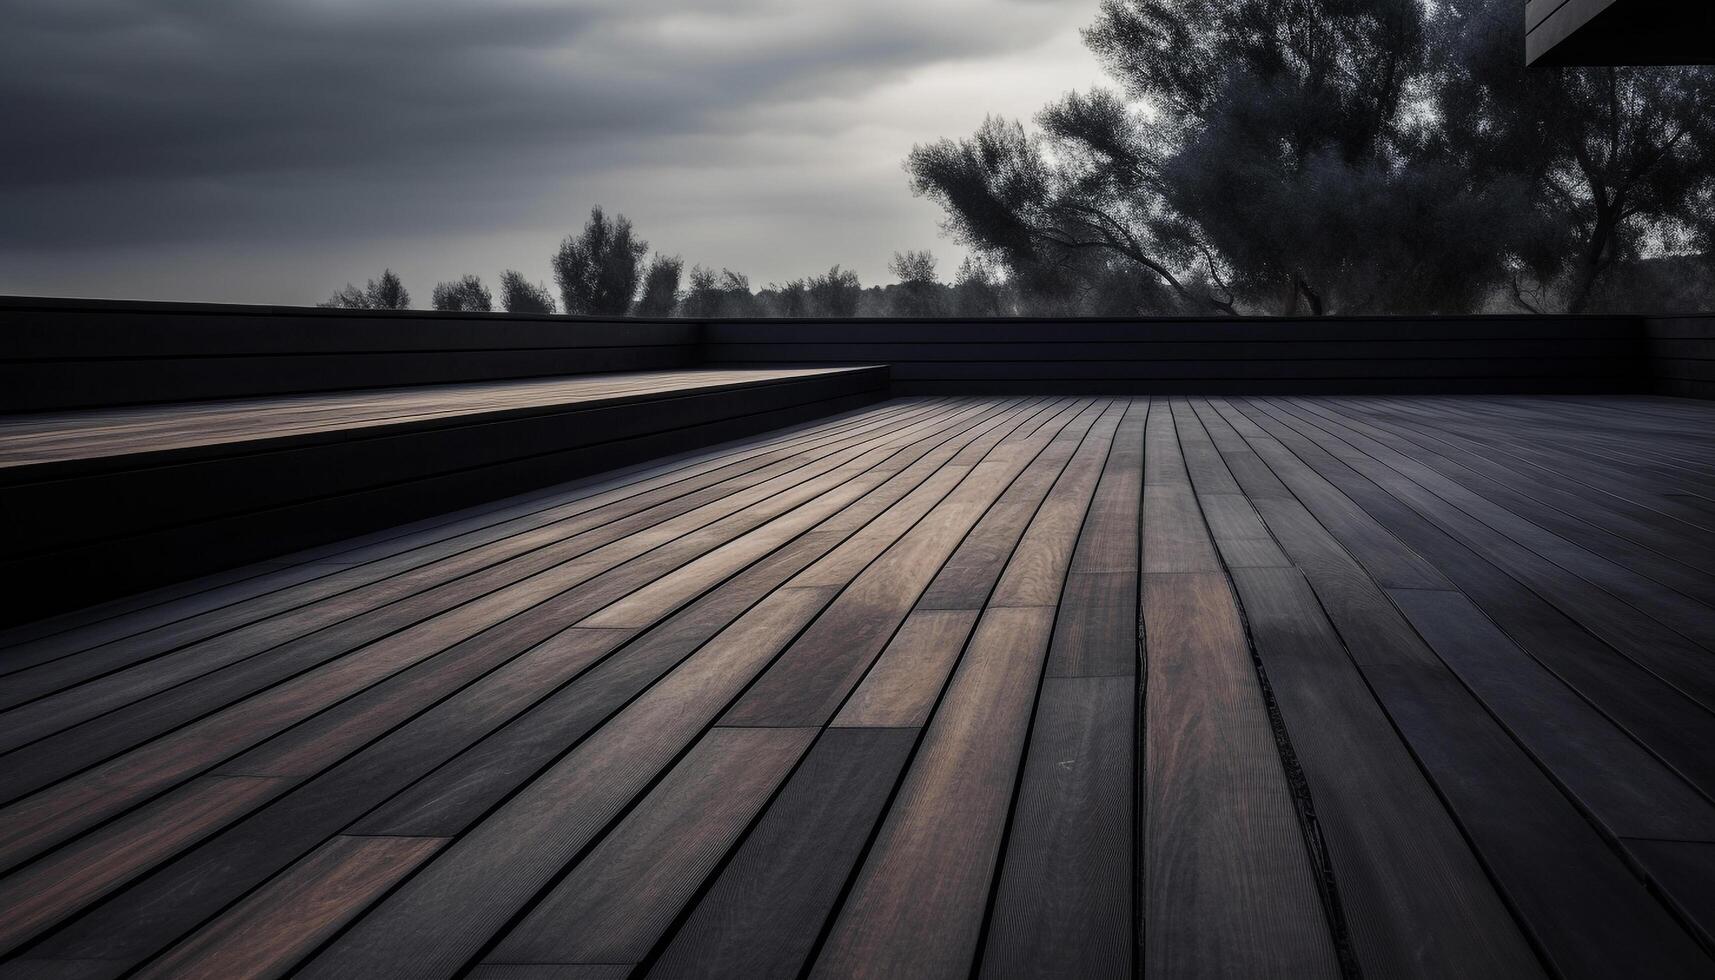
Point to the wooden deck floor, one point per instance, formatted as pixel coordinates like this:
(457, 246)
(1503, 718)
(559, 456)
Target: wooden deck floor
(1005, 686)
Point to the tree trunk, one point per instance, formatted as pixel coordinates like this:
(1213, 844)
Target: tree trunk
(1601, 238)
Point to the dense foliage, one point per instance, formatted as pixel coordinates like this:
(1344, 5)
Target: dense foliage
(463, 295)
(385, 293)
(1319, 156)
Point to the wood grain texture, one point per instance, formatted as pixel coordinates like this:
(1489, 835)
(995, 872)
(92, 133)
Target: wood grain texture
(272, 929)
(900, 690)
(1228, 886)
(917, 905)
(619, 899)
(762, 915)
(1416, 898)
(1590, 913)
(1063, 904)
(490, 873)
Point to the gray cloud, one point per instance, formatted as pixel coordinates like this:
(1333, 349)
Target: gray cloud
(225, 150)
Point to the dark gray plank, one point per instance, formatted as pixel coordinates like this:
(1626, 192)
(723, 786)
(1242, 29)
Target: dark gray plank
(763, 913)
(1063, 905)
(1229, 888)
(620, 898)
(1415, 897)
(917, 904)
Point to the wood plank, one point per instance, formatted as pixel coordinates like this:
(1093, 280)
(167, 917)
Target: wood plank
(1635, 535)
(248, 722)
(917, 905)
(46, 892)
(763, 913)
(1585, 910)
(1666, 653)
(1672, 726)
(535, 971)
(1385, 559)
(1064, 897)
(1095, 634)
(386, 554)
(1063, 905)
(814, 677)
(155, 429)
(1229, 888)
(492, 872)
(1035, 575)
(1487, 783)
(900, 690)
(274, 928)
(1240, 535)
(619, 900)
(1613, 777)
(351, 784)
(1691, 619)
(1476, 766)
(437, 585)
(1685, 871)
(459, 793)
(1414, 896)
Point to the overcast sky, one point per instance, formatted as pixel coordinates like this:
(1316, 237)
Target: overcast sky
(270, 150)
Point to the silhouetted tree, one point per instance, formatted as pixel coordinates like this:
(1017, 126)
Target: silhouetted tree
(919, 293)
(661, 286)
(1614, 162)
(834, 293)
(520, 295)
(789, 299)
(465, 295)
(1324, 155)
(385, 293)
(597, 269)
(713, 295)
(977, 289)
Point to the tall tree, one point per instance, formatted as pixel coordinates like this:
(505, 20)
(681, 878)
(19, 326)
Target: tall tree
(978, 289)
(597, 269)
(464, 295)
(385, 293)
(661, 286)
(1318, 156)
(1614, 162)
(520, 295)
(714, 295)
(919, 293)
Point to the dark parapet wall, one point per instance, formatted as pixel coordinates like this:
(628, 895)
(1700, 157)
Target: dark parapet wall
(1326, 355)
(1682, 355)
(60, 354)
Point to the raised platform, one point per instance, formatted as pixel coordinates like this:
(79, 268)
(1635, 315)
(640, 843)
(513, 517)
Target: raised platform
(1012, 686)
(103, 501)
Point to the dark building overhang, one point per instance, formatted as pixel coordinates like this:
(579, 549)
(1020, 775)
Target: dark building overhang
(1619, 32)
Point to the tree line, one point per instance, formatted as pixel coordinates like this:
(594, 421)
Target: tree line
(606, 270)
(1260, 156)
